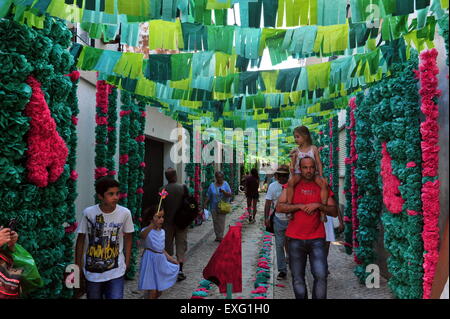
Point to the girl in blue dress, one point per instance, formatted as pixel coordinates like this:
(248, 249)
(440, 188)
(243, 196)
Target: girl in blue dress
(158, 270)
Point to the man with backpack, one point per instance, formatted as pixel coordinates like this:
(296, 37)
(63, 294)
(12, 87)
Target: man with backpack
(178, 207)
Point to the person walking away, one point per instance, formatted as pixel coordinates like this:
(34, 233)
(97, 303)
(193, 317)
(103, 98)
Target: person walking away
(109, 228)
(218, 190)
(303, 139)
(171, 205)
(306, 232)
(158, 271)
(252, 193)
(280, 221)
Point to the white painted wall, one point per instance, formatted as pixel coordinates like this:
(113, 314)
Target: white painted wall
(86, 145)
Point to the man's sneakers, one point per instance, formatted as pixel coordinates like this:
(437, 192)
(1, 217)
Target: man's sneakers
(281, 275)
(181, 276)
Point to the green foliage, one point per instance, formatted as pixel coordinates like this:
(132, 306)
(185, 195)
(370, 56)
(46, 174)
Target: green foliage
(42, 213)
(131, 173)
(395, 119)
(348, 230)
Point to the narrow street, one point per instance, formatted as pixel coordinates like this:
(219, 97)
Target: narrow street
(342, 283)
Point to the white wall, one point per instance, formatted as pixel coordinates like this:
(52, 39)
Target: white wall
(86, 145)
(160, 127)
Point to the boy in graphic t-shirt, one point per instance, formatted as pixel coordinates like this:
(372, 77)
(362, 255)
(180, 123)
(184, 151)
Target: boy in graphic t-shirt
(109, 228)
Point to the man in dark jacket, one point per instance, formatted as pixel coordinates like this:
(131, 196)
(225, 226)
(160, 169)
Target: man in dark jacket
(171, 204)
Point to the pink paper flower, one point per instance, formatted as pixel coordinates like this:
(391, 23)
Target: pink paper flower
(47, 152)
(123, 113)
(123, 159)
(101, 120)
(71, 228)
(428, 70)
(74, 76)
(74, 175)
(74, 120)
(140, 138)
(100, 172)
(391, 194)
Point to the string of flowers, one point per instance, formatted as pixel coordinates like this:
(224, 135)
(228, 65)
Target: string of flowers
(429, 92)
(43, 54)
(101, 129)
(70, 224)
(136, 150)
(325, 150)
(348, 230)
(124, 146)
(369, 197)
(395, 124)
(353, 181)
(197, 170)
(330, 152)
(112, 130)
(263, 269)
(335, 158)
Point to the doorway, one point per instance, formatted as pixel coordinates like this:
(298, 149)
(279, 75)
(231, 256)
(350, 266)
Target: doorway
(153, 173)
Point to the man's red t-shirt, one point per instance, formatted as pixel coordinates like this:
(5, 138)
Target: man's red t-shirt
(305, 226)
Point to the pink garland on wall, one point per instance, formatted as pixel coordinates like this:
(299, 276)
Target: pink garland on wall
(429, 129)
(391, 194)
(101, 119)
(330, 123)
(354, 186)
(47, 152)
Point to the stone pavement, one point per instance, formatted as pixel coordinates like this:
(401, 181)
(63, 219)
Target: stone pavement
(342, 283)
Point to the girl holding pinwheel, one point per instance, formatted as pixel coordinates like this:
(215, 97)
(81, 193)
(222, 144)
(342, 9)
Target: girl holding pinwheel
(159, 270)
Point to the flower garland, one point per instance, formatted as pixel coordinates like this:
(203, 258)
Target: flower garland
(391, 194)
(101, 129)
(334, 160)
(45, 215)
(264, 266)
(324, 150)
(47, 151)
(209, 173)
(429, 92)
(237, 182)
(124, 146)
(353, 181)
(395, 124)
(136, 172)
(369, 197)
(348, 230)
(131, 163)
(112, 131)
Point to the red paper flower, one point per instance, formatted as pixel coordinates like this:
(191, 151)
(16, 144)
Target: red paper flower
(47, 151)
(74, 175)
(123, 159)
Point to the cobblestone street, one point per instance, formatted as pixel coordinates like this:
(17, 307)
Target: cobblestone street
(342, 283)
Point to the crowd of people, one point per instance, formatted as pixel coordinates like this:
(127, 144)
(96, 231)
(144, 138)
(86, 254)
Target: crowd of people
(296, 205)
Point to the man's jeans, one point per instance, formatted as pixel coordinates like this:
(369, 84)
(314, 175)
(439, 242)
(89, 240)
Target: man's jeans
(298, 255)
(111, 289)
(279, 227)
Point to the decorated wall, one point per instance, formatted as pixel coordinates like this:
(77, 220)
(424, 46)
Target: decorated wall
(38, 84)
